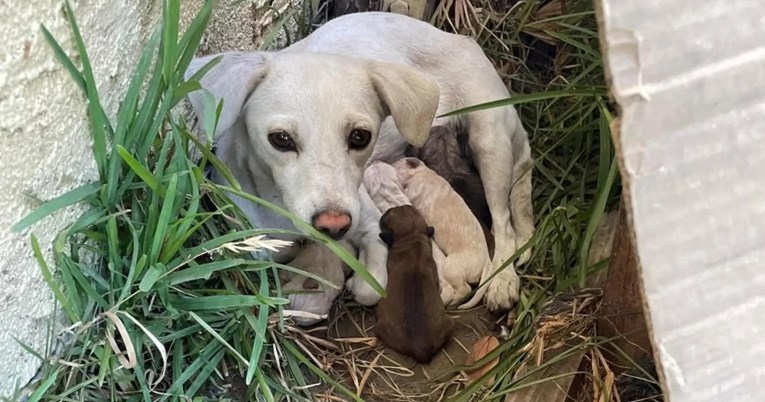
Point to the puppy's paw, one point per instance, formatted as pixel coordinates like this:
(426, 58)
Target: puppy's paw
(448, 294)
(503, 290)
(362, 292)
(317, 299)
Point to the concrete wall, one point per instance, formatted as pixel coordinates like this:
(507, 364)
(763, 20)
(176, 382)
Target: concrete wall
(44, 137)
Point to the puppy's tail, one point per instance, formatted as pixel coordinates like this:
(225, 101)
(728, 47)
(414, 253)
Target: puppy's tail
(485, 274)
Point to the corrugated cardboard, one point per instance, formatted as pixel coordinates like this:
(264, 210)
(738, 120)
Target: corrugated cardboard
(689, 77)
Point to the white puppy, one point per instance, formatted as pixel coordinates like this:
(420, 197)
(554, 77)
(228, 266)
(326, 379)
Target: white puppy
(299, 125)
(457, 233)
(382, 184)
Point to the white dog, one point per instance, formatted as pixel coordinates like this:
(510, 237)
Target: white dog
(457, 233)
(382, 184)
(299, 125)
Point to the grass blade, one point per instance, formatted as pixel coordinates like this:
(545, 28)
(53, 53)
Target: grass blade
(596, 215)
(526, 98)
(171, 17)
(141, 171)
(40, 391)
(211, 158)
(127, 113)
(64, 59)
(99, 122)
(260, 330)
(48, 277)
(217, 337)
(165, 215)
(205, 271)
(223, 302)
(64, 200)
(295, 352)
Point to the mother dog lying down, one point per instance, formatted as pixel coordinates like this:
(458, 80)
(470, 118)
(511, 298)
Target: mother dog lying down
(299, 125)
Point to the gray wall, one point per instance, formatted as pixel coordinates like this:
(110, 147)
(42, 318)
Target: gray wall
(44, 137)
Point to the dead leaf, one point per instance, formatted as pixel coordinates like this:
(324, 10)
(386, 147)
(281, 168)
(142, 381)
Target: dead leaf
(482, 347)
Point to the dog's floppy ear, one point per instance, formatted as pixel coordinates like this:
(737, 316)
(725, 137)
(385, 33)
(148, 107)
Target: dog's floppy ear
(409, 96)
(387, 238)
(430, 230)
(232, 80)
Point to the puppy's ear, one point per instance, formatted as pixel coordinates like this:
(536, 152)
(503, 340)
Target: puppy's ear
(231, 80)
(412, 163)
(430, 230)
(407, 95)
(387, 238)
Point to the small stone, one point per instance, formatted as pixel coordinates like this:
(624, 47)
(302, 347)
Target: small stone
(400, 7)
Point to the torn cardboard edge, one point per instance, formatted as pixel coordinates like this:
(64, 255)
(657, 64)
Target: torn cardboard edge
(626, 200)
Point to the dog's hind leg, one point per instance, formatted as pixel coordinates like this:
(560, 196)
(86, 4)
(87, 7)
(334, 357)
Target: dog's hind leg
(446, 290)
(522, 210)
(490, 140)
(454, 270)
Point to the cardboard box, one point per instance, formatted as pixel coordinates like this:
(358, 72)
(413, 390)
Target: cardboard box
(689, 77)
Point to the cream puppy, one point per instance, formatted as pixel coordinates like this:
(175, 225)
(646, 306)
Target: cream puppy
(457, 233)
(381, 182)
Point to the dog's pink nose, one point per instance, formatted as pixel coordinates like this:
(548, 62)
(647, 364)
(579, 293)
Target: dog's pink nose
(334, 224)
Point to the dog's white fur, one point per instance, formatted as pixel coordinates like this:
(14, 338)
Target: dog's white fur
(382, 184)
(457, 233)
(382, 72)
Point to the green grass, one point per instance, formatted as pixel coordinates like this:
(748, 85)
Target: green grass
(149, 272)
(565, 108)
(147, 268)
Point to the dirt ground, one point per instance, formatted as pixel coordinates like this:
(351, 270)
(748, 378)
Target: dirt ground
(380, 374)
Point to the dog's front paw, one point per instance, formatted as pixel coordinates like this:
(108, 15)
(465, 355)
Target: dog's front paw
(363, 293)
(502, 291)
(316, 299)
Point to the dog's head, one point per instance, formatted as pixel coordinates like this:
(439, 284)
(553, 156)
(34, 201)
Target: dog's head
(399, 222)
(310, 122)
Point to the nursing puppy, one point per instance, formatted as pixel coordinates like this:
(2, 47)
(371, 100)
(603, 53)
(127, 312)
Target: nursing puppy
(448, 153)
(457, 233)
(381, 182)
(297, 127)
(412, 320)
(307, 294)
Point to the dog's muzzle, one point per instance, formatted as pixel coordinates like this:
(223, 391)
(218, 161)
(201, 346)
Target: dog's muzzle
(334, 224)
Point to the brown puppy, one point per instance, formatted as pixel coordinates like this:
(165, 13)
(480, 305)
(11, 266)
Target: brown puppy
(448, 153)
(412, 319)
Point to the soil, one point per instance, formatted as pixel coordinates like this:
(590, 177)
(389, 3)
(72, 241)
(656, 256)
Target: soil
(394, 377)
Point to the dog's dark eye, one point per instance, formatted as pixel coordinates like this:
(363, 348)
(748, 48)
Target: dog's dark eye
(282, 141)
(359, 139)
